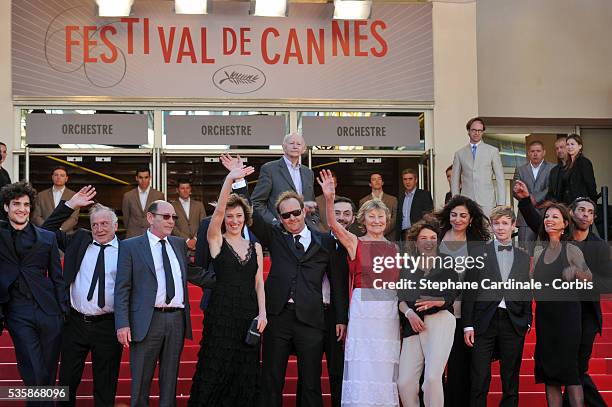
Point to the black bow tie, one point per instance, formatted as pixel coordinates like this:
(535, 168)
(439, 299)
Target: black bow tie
(501, 248)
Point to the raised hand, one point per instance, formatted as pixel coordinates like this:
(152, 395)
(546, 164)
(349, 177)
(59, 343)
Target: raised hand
(240, 171)
(520, 189)
(326, 181)
(82, 198)
(230, 162)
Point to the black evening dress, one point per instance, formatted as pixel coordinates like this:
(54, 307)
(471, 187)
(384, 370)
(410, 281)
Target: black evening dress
(558, 323)
(227, 373)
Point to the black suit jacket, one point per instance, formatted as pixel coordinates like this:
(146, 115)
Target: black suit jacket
(5, 179)
(307, 271)
(479, 306)
(580, 182)
(339, 264)
(40, 268)
(421, 204)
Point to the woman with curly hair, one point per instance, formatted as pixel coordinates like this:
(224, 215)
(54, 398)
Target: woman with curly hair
(463, 229)
(428, 323)
(373, 338)
(558, 313)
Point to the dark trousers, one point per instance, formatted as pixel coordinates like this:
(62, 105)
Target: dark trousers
(500, 336)
(99, 338)
(334, 355)
(164, 342)
(284, 334)
(457, 390)
(37, 338)
(592, 398)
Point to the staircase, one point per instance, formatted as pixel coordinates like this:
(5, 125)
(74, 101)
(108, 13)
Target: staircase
(531, 394)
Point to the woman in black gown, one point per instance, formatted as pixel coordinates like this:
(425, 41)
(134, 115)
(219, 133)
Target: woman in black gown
(558, 318)
(227, 373)
(577, 176)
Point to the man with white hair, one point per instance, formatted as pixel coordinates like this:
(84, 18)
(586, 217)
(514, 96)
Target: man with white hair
(90, 268)
(285, 174)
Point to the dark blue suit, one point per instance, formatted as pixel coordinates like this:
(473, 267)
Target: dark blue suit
(34, 300)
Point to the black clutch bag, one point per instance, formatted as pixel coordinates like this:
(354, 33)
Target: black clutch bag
(253, 336)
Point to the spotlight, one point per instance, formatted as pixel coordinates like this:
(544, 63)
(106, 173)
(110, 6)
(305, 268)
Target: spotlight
(269, 8)
(114, 8)
(192, 6)
(352, 9)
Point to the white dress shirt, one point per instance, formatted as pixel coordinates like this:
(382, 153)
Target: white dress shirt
(406, 207)
(80, 287)
(536, 170)
(186, 204)
(296, 177)
(156, 251)
(143, 195)
(57, 195)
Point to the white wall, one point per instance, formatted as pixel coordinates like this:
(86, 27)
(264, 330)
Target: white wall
(6, 105)
(455, 84)
(545, 58)
(597, 147)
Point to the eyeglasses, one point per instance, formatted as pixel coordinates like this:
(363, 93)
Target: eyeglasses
(476, 130)
(166, 216)
(295, 213)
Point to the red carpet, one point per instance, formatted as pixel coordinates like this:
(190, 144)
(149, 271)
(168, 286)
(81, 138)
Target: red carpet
(531, 394)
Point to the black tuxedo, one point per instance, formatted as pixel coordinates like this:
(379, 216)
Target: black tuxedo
(421, 204)
(299, 325)
(496, 328)
(84, 334)
(33, 300)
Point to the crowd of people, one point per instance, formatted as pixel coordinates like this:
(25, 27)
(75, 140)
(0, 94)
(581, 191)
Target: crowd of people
(430, 345)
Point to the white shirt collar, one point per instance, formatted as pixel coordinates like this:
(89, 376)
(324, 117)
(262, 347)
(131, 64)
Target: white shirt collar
(290, 164)
(55, 189)
(536, 166)
(477, 144)
(184, 200)
(303, 233)
(411, 192)
(154, 239)
(498, 243)
(114, 242)
(140, 191)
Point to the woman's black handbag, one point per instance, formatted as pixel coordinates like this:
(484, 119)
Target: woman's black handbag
(253, 336)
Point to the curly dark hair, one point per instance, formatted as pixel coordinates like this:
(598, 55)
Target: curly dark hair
(235, 201)
(479, 227)
(568, 232)
(17, 190)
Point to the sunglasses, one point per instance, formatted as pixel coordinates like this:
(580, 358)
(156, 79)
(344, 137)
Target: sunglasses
(166, 216)
(295, 213)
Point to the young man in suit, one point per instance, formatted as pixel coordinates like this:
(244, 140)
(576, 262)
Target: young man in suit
(301, 256)
(285, 174)
(152, 303)
(597, 257)
(50, 198)
(497, 320)
(535, 175)
(32, 291)
(473, 168)
(413, 204)
(376, 185)
(136, 202)
(90, 268)
(190, 213)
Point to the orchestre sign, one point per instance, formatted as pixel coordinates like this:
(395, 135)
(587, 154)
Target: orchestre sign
(67, 50)
(362, 131)
(225, 130)
(110, 129)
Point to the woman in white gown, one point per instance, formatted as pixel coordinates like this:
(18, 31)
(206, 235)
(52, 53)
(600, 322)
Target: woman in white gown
(373, 338)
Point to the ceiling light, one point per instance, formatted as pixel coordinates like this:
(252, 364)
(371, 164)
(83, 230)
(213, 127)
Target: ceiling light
(352, 9)
(114, 8)
(192, 6)
(269, 8)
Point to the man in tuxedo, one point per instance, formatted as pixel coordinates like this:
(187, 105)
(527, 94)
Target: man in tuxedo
(473, 168)
(376, 185)
(32, 296)
(285, 174)
(597, 256)
(535, 175)
(152, 303)
(301, 256)
(413, 204)
(136, 202)
(190, 213)
(90, 268)
(554, 179)
(497, 320)
(5, 179)
(50, 198)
